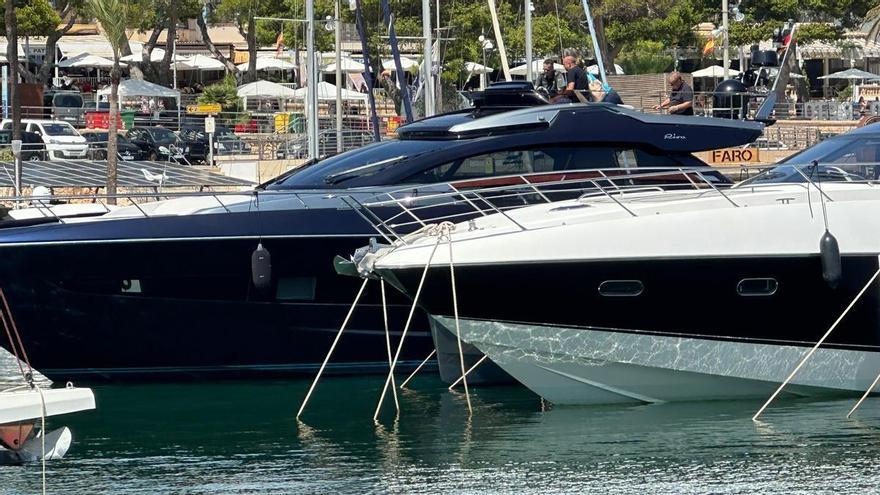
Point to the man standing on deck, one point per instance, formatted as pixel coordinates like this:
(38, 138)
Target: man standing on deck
(681, 99)
(577, 81)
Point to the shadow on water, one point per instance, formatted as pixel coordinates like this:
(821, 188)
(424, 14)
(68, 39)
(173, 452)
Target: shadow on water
(242, 437)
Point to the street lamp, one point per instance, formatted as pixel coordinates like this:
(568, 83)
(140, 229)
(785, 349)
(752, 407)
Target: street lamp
(487, 45)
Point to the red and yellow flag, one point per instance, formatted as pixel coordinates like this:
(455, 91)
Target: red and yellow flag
(710, 46)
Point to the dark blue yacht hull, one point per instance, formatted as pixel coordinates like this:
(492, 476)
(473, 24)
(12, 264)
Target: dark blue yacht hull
(160, 298)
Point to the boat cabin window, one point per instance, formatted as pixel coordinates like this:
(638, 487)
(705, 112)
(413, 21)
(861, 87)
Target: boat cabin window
(621, 288)
(538, 160)
(336, 170)
(757, 287)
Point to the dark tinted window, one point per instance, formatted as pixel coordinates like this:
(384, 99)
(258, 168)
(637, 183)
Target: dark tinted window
(67, 101)
(356, 163)
(512, 162)
(162, 136)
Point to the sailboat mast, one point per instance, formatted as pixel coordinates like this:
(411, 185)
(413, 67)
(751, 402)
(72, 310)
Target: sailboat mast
(428, 62)
(530, 76)
(368, 72)
(312, 68)
(395, 53)
(499, 41)
(596, 49)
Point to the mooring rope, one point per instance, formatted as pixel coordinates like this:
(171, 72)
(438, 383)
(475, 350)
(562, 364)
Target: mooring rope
(332, 347)
(406, 328)
(413, 374)
(468, 372)
(388, 342)
(446, 232)
(815, 347)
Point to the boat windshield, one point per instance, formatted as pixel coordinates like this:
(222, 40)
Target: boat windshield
(360, 162)
(789, 174)
(839, 159)
(838, 150)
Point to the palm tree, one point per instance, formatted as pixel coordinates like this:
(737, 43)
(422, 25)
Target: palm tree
(111, 14)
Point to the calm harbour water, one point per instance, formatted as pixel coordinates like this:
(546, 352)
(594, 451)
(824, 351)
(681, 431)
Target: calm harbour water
(241, 437)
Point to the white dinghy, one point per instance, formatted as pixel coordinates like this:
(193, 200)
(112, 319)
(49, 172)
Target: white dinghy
(21, 410)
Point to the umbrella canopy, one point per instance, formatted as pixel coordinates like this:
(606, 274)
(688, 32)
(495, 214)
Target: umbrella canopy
(405, 62)
(327, 91)
(347, 65)
(851, 74)
(714, 71)
(155, 56)
(137, 87)
(268, 63)
(86, 60)
(594, 69)
(475, 68)
(265, 89)
(199, 62)
(537, 68)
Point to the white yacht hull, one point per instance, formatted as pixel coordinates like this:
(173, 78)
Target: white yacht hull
(583, 366)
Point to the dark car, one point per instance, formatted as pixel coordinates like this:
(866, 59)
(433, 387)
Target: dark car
(32, 146)
(98, 146)
(226, 142)
(158, 143)
(197, 144)
(299, 148)
(64, 105)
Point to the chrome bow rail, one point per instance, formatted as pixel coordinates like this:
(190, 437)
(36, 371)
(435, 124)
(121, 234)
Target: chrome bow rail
(400, 212)
(396, 213)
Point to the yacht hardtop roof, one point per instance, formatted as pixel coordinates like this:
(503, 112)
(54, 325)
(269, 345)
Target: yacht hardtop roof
(591, 122)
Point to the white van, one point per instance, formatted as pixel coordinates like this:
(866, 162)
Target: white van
(63, 142)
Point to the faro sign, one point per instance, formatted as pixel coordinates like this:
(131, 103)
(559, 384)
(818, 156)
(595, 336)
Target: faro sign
(734, 156)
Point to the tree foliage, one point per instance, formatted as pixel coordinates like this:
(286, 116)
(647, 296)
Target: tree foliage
(645, 57)
(34, 18)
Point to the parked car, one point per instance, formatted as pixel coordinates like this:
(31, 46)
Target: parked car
(98, 146)
(299, 148)
(226, 142)
(158, 143)
(197, 144)
(32, 146)
(61, 139)
(64, 105)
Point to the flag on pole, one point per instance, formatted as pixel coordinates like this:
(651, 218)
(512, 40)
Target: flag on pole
(279, 44)
(710, 46)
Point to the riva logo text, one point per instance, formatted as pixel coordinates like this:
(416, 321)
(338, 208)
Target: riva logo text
(672, 135)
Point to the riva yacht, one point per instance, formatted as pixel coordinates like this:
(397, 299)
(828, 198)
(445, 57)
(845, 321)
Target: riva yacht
(244, 284)
(651, 296)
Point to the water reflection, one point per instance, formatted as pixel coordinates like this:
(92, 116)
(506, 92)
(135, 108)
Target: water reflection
(242, 438)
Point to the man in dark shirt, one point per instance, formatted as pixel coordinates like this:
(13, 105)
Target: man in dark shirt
(577, 81)
(681, 98)
(550, 80)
